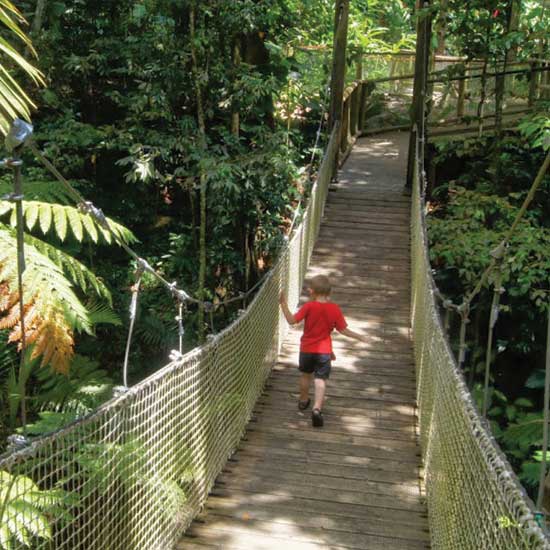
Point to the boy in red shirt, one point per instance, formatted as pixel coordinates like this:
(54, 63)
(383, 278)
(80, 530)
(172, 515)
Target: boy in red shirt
(321, 318)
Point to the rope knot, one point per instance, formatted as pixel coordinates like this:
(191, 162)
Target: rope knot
(499, 251)
(88, 207)
(180, 295)
(13, 197)
(175, 356)
(17, 441)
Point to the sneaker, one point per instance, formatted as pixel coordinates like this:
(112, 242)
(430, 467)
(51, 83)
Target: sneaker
(303, 405)
(317, 418)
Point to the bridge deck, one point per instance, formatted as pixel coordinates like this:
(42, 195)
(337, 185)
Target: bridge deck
(356, 482)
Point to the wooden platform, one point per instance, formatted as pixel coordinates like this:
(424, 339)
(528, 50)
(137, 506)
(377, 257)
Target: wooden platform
(356, 482)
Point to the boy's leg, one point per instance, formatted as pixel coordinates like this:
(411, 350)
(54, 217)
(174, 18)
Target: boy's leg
(305, 382)
(320, 389)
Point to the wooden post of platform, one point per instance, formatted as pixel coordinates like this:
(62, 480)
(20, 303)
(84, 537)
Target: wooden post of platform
(356, 128)
(422, 64)
(533, 83)
(341, 19)
(461, 94)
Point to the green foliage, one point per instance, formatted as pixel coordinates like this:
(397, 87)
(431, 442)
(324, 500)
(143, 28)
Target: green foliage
(77, 393)
(470, 213)
(536, 129)
(473, 226)
(26, 511)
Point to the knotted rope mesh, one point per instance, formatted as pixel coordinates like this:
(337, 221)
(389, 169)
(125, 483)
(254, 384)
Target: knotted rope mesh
(135, 473)
(474, 498)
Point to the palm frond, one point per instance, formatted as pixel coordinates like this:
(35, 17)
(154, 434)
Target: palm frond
(14, 101)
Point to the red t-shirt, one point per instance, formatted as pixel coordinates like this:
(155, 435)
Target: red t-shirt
(321, 318)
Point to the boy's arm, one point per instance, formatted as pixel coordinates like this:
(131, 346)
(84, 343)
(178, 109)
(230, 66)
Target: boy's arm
(286, 312)
(351, 334)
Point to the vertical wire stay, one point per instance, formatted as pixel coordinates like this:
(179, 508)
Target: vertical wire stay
(181, 330)
(133, 312)
(16, 164)
(546, 420)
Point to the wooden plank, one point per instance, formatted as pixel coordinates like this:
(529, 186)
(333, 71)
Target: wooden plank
(293, 421)
(254, 463)
(407, 469)
(318, 509)
(249, 528)
(279, 514)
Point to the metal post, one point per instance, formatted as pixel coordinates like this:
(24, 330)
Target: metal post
(16, 164)
(544, 462)
(493, 317)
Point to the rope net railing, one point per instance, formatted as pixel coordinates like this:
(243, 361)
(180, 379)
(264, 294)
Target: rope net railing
(474, 498)
(134, 474)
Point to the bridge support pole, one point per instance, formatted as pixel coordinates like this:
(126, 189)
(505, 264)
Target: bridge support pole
(341, 20)
(421, 71)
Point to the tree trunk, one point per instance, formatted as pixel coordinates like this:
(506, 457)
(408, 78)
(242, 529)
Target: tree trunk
(235, 116)
(203, 181)
(339, 62)
(500, 90)
(482, 96)
(338, 79)
(38, 18)
(420, 89)
(441, 27)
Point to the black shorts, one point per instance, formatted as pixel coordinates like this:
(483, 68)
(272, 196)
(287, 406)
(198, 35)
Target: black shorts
(316, 363)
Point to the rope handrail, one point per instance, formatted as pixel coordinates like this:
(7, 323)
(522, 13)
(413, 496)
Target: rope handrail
(474, 498)
(140, 467)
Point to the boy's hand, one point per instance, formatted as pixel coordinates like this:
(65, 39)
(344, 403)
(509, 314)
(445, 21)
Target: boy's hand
(282, 298)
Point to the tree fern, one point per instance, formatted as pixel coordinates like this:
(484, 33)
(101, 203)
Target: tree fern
(76, 271)
(52, 309)
(59, 219)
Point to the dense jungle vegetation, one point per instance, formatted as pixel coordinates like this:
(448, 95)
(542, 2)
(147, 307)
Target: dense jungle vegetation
(479, 184)
(192, 125)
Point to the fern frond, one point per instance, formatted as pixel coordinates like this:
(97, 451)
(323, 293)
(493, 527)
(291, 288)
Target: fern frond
(525, 433)
(102, 314)
(76, 271)
(84, 389)
(64, 217)
(42, 191)
(154, 332)
(8, 357)
(53, 309)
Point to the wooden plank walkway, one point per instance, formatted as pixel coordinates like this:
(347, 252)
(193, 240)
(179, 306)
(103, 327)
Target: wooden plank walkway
(356, 482)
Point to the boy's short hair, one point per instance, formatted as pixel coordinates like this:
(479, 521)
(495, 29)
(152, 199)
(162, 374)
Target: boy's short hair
(321, 285)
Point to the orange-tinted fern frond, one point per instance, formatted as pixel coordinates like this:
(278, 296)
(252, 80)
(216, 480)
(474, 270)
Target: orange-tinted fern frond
(55, 344)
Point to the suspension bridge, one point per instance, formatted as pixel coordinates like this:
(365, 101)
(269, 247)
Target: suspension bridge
(212, 452)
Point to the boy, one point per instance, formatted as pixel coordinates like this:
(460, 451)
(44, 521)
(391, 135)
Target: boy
(321, 318)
